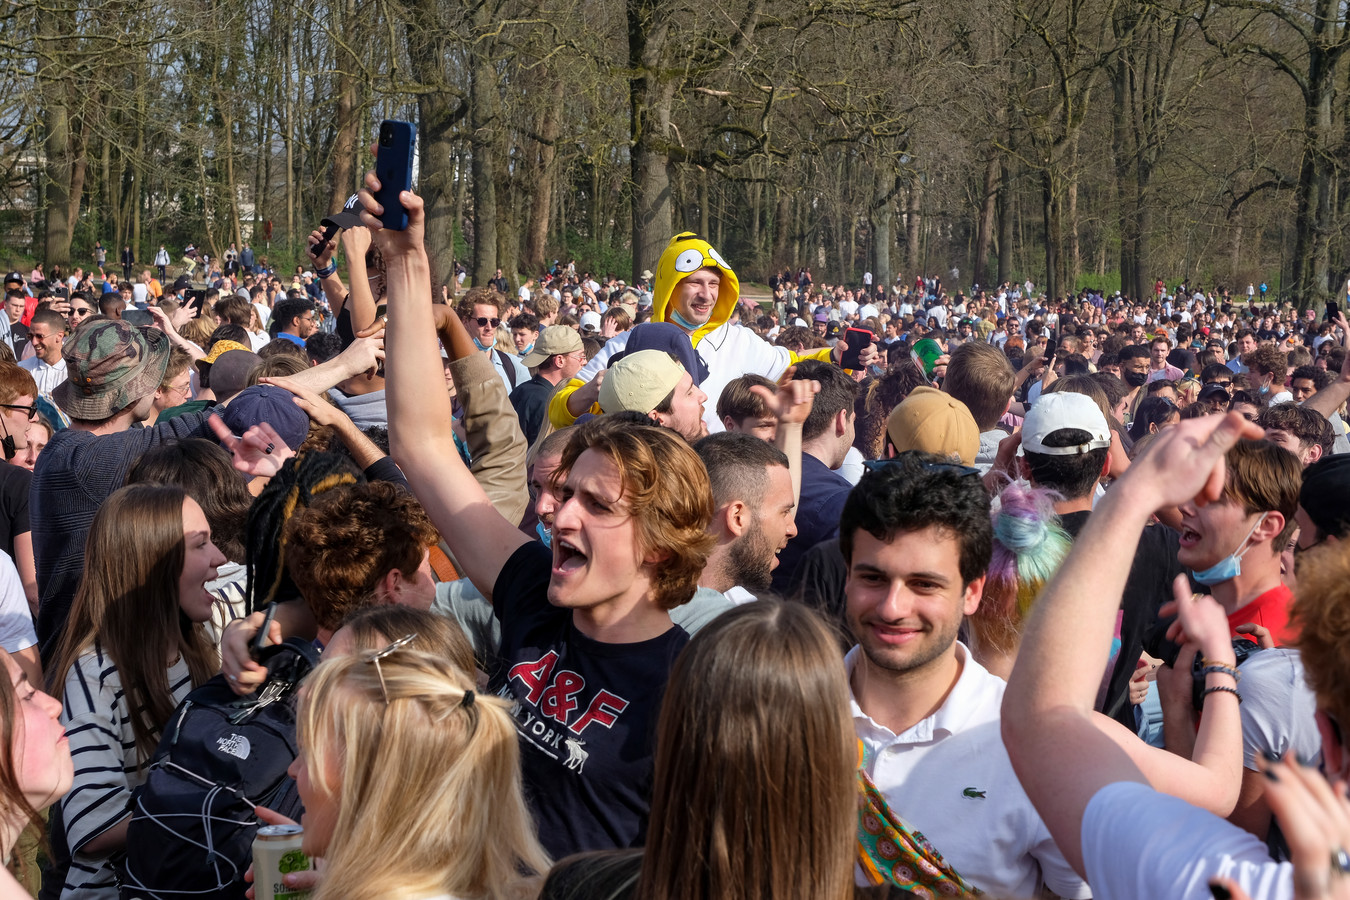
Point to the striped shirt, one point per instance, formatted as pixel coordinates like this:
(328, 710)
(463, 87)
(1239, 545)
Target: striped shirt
(103, 748)
(74, 474)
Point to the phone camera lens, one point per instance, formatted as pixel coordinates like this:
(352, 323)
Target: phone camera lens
(385, 138)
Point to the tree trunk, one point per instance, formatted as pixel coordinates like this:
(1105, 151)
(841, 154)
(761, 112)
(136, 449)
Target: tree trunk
(782, 229)
(912, 231)
(1005, 229)
(1054, 235)
(651, 94)
(984, 234)
(542, 186)
(483, 127)
(348, 123)
(1074, 262)
(883, 212)
(56, 247)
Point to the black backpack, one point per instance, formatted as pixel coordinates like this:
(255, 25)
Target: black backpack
(192, 822)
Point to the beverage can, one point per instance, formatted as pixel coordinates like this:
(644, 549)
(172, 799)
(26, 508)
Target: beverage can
(276, 853)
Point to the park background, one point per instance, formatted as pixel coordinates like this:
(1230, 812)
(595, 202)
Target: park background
(1102, 143)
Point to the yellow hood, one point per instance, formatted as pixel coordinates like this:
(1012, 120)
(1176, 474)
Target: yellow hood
(687, 253)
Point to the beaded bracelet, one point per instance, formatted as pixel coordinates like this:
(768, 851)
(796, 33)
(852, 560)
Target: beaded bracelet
(1219, 667)
(1223, 689)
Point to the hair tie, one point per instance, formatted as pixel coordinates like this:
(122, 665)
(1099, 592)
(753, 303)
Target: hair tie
(467, 701)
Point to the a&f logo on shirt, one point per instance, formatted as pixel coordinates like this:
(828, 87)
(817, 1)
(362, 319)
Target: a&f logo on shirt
(554, 696)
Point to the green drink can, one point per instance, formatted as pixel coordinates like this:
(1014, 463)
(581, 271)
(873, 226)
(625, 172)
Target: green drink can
(276, 853)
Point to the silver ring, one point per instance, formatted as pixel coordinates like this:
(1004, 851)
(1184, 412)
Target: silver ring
(1340, 861)
(232, 677)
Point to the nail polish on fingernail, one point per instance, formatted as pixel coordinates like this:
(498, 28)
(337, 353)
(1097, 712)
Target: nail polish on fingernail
(1219, 892)
(1271, 775)
(1270, 757)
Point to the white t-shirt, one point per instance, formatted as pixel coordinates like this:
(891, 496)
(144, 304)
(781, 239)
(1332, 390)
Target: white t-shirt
(949, 776)
(16, 619)
(1139, 843)
(1278, 709)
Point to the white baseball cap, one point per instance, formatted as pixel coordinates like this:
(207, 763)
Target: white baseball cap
(1058, 410)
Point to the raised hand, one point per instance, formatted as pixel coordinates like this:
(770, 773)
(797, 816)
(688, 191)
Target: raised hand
(792, 402)
(259, 452)
(1186, 461)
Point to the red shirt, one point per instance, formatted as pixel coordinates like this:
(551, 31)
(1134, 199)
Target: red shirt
(1270, 610)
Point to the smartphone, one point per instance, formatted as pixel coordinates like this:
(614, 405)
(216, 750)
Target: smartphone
(1333, 310)
(857, 339)
(329, 232)
(260, 643)
(393, 167)
(1051, 346)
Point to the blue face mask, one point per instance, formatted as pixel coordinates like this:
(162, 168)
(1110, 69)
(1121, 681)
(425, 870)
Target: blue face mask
(526, 351)
(683, 322)
(1230, 566)
(545, 534)
(479, 345)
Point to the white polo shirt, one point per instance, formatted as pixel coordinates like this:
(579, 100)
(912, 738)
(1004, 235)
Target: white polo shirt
(949, 777)
(47, 377)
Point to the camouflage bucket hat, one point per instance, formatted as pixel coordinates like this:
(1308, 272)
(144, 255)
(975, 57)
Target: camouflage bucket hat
(111, 364)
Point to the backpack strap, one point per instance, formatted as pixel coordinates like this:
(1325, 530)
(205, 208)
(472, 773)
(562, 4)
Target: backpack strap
(507, 367)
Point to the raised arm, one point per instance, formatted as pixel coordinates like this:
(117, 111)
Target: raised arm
(331, 283)
(491, 428)
(355, 243)
(362, 357)
(1330, 398)
(1056, 743)
(420, 434)
(790, 405)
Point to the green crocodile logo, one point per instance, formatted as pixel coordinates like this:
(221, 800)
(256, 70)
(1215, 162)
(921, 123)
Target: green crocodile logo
(973, 793)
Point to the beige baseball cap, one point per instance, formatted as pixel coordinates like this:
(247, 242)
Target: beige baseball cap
(934, 422)
(553, 340)
(640, 381)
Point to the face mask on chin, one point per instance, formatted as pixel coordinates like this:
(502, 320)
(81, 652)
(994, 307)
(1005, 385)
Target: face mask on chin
(1230, 566)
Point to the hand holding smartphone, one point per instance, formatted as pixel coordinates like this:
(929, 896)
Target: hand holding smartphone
(393, 167)
(857, 340)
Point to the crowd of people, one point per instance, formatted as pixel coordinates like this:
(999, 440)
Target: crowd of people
(656, 591)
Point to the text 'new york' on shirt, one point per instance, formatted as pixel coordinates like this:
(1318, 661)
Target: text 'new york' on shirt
(586, 712)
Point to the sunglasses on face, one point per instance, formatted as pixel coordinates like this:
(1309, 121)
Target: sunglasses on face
(30, 410)
(80, 312)
(484, 321)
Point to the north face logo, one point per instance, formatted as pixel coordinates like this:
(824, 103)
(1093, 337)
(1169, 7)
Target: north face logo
(236, 745)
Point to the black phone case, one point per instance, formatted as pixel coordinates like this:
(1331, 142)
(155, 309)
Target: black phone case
(393, 167)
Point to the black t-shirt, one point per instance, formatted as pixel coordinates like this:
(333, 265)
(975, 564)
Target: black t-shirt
(1148, 587)
(586, 712)
(15, 482)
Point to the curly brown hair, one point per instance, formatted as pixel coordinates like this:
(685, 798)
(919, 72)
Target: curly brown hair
(1321, 613)
(347, 540)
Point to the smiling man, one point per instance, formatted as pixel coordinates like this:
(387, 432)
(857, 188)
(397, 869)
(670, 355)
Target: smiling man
(47, 332)
(697, 291)
(917, 538)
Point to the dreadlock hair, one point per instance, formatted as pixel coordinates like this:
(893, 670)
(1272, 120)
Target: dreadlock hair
(302, 478)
